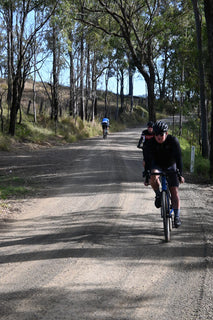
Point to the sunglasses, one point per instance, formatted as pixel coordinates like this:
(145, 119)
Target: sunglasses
(160, 134)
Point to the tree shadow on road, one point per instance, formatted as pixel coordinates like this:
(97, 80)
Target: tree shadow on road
(102, 234)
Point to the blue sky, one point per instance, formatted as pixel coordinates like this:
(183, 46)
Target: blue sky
(139, 85)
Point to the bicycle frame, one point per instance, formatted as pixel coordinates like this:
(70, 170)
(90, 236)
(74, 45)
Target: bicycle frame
(163, 183)
(166, 214)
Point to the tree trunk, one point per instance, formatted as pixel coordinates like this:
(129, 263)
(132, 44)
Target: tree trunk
(34, 79)
(82, 103)
(131, 88)
(149, 78)
(88, 84)
(28, 108)
(163, 86)
(151, 99)
(204, 120)
(55, 78)
(1, 115)
(14, 107)
(72, 110)
(94, 85)
(208, 6)
(117, 94)
(122, 91)
(9, 54)
(106, 93)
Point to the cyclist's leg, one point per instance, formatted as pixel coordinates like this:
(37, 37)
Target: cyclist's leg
(154, 180)
(103, 127)
(155, 184)
(175, 198)
(173, 183)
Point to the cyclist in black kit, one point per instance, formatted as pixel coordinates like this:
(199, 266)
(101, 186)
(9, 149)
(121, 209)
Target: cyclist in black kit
(163, 153)
(146, 135)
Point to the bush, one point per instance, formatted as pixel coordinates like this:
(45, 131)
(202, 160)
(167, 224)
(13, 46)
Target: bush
(5, 143)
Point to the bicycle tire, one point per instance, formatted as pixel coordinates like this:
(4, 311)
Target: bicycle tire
(105, 134)
(166, 217)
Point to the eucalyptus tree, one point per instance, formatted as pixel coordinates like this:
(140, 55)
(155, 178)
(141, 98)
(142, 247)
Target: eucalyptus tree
(55, 44)
(138, 23)
(122, 67)
(208, 7)
(204, 119)
(7, 11)
(102, 61)
(69, 31)
(22, 33)
(175, 67)
(87, 59)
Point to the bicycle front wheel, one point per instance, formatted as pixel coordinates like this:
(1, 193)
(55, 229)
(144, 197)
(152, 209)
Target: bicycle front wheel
(165, 215)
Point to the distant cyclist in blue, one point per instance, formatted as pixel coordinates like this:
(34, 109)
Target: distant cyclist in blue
(163, 152)
(105, 123)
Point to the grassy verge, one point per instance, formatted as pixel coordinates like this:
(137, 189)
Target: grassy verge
(11, 187)
(45, 131)
(67, 129)
(201, 165)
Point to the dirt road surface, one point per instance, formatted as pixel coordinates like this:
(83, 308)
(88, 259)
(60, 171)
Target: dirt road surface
(89, 245)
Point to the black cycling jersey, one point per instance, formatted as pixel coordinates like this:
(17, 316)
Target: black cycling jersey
(145, 136)
(164, 154)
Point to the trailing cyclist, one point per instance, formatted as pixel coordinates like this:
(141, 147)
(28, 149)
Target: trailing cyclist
(105, 124)
(146, 135)
(163, 152)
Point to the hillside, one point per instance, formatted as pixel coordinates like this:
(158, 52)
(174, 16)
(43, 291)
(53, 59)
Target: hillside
(67, 129)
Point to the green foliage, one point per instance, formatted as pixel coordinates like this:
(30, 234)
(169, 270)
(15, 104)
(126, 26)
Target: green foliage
(7, 192)
(12, 186)
(139, 116)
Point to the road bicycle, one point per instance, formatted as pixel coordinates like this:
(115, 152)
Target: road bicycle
(167, 213)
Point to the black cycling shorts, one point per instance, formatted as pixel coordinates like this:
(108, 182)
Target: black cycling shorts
(172, 179)
(104, 125)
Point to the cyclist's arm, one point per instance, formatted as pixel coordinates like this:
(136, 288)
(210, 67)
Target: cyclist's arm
(141, 140)
(147, 156)
(179, 162)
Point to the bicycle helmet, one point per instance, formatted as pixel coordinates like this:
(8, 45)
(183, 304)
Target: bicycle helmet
(150, 124)
(160, 127)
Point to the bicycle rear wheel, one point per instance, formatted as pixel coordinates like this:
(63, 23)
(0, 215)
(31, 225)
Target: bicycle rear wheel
(105, 134)
(167, 224)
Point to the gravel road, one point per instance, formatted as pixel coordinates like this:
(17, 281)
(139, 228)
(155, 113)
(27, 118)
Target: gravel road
(89, 245)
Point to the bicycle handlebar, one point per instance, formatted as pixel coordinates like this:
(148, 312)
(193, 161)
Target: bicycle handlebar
(163, 173)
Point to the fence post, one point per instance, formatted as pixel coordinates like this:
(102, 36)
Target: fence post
(192, 159)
